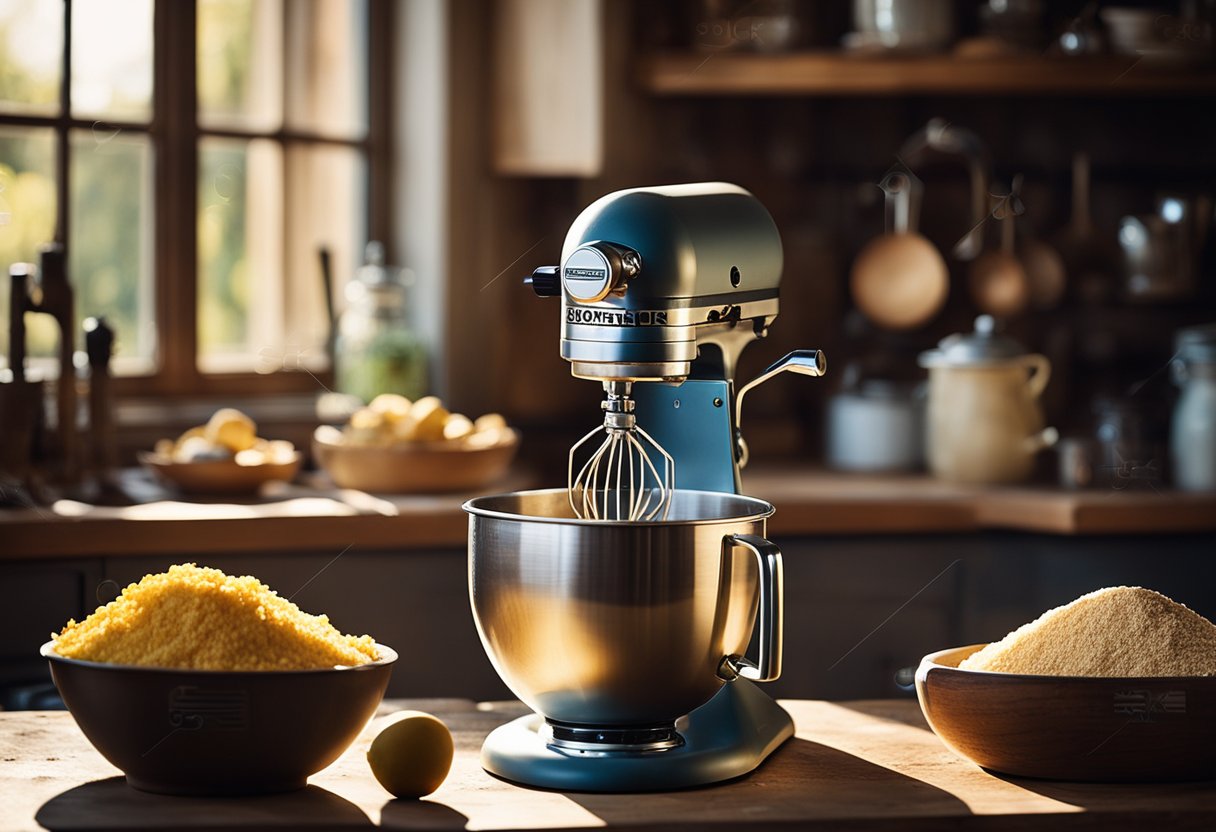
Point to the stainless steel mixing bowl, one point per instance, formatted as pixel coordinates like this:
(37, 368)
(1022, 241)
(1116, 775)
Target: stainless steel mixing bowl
(635, 624)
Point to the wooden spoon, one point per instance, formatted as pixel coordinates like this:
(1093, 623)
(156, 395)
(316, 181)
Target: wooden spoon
(899, 280)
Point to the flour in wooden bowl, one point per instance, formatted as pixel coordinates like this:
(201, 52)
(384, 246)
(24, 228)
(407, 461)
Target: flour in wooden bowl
(1121, 631)
(195, 618)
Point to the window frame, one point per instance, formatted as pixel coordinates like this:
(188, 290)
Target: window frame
(175, 133)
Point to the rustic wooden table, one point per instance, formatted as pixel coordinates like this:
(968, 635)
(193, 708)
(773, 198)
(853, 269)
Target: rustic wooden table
(870, 765)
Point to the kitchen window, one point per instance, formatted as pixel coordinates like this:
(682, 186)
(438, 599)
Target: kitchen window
(193, 196)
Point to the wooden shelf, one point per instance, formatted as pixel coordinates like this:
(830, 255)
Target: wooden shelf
(823, 502)
(834, 74)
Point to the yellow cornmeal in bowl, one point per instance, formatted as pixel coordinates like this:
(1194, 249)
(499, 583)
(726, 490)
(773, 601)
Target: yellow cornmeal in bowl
(1122, 631)
(197, 618)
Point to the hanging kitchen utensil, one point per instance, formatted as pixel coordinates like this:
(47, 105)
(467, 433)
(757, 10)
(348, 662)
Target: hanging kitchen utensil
(1089, 263)
(1046, 277)
(942, 138)
(899, 280)
(996, 279)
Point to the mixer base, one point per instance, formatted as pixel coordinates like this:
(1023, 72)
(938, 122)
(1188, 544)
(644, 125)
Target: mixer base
(726, 737)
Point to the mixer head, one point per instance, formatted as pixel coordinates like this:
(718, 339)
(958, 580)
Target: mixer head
(650, 276)
(664, 284)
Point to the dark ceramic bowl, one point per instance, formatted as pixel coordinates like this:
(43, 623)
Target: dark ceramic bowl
(210, 732)
(1078, 728)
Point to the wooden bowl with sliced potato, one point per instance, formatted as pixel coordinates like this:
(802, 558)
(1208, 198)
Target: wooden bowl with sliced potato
(395, 446)
(223, 457)
(414, 468)
(217, 477)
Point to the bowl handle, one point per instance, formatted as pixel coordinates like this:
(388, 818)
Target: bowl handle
(767, 666)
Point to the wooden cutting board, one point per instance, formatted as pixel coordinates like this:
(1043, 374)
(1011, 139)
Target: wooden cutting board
(858, 765)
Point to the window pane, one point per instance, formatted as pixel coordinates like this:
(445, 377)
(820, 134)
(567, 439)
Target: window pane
(27, 221)
(327, 66)
(110, 249)
(240, 63)
(112, 59)
(326, 206)
(31, 55)
(240, 247)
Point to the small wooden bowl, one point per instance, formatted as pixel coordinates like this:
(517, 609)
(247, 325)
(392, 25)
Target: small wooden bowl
(416, 468)
(1075, 728)
(218, 477)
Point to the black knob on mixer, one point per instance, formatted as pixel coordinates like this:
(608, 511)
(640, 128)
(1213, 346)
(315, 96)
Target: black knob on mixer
(546, 281)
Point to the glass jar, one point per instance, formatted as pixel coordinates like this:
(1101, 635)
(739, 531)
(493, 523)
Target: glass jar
(1129, 435)
(376, 350)
(1193, 429)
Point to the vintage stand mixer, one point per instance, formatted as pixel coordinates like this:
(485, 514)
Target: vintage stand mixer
(621, 608)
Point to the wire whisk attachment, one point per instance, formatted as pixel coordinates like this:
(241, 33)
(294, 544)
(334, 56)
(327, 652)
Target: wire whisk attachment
(621, 479)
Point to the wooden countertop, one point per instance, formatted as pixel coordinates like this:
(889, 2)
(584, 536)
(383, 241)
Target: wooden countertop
(870, 765)
(809, 502)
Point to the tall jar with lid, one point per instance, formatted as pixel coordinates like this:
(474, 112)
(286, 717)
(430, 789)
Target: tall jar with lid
(376, 349)
(1193, 427)
(984, 422)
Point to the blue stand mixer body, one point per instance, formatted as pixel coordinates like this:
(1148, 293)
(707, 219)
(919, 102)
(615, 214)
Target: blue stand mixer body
(662, 288)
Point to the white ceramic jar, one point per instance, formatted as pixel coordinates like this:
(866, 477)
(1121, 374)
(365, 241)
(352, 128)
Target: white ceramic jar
(875, 426)
(984, 422)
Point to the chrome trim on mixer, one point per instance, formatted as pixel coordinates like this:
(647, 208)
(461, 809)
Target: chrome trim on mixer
(676, 319)
(608, 741)
(550, 505)
(592, 371)
(770, 616)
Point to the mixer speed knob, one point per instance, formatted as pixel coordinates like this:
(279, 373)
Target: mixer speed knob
(599, 269)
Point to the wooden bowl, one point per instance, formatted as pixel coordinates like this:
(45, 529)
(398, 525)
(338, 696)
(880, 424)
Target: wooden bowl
(214, 732)
(1071, 727)
(415, 468)
(218, 476)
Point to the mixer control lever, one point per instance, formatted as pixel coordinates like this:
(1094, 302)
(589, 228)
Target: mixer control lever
(545, 281)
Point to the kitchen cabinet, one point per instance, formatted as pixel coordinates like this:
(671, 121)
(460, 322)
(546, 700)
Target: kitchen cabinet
(862, 765)
(548, 88)
(38, 598)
